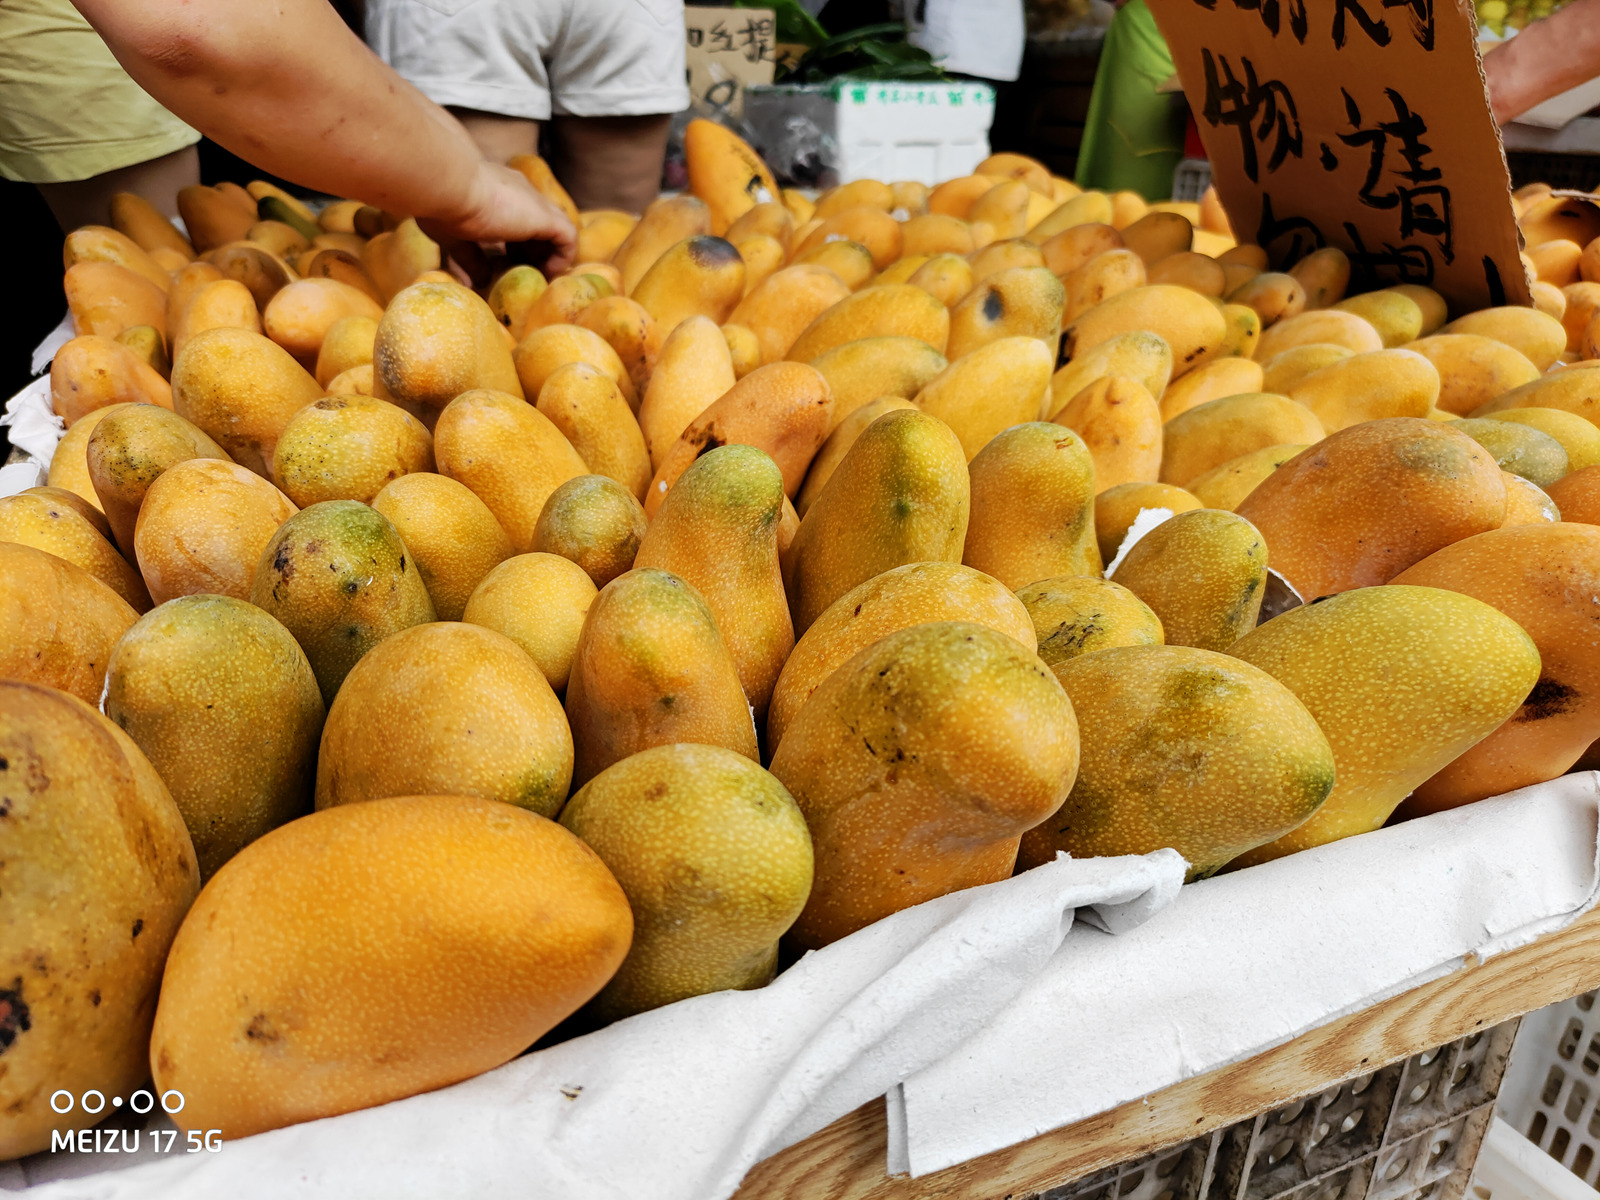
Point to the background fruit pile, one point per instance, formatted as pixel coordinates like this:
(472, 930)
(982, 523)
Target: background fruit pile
(757, 578)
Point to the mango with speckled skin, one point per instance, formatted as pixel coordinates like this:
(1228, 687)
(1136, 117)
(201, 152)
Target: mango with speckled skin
(1538, 336)
(550, 347)
(1401, 680)
(127, 452)
(1204, 573)
(1219, 430)
(1116, 509)
(1365, 503)
(1577, 437)
(1108, 274)
(998, 385)
(1191, 325)
(1139, 355)
(453, 537)
(55, 526)
(224, 304)
(348, 448)
(700, 276)
(57, 622)
(357, 940)
(1033, 506)
(945, 277)
(901, 495)
(897, 599)
(680, 812)
(717, 529)
(1397, 317)
(591, 412)
(1226, 486)
(538, 601)
(652, 668)
(1121, 424)
(668, 222)
(338, 577)
(886, 310)
(90, 373)
(918, 765)
(1473, 369)
(202, 528)
(864, 370)
(844, 436)
(594, 522)
(446, 709)
(1184, 748)
(1526, 504)
(1320, 327)
(1282, 371)
(1366, 387)
(781, 306)
(1074, 615)
(86, 817)
(1520, 449)
(437, 340)
(1221, 377)
(509, 453)
(1017, 302)
(222, 700)
(241, 389)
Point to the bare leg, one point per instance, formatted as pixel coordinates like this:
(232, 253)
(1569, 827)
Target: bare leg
(499, 138)
(611, 162)
(88, 201)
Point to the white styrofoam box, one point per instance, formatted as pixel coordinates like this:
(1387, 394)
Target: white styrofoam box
(869, 129)
(1510, 1167)
(1553, 1083)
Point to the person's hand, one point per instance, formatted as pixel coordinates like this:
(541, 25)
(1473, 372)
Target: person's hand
(503, 208)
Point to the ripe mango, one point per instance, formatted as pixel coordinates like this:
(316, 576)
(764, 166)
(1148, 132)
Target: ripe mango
(1321, 326)
(744, 351)
(841, 439)
(1325, 275)
(889, 310)
(185, 283)
(1397, 317)
(1219, 430)
(1525, 503)
(897, 599)
(357, 381)
(1005, 207)
(300, 316)
(1190, 324)
(1032, 507)
(652, 669)
(538, 601)
(223, 702)
(850, 261)
(562, 303)
(1583, 303)
(84, 508)
(918, 766)
(864, 370)
(1197, 272)
(69, 464)
(680, 812)
(1074, 615)
(782, 305)
(1017, 302)
(241, 389)
(783, 408)
(213, 217)
(149, 347)
(98, 243)
(725, 172)
(870, 192)
(694, 370)
(127, 451)
(1434, 310)
(550, 347)
(945, 277)
(1157, 236)
(632, 334)
(1226, 486)
(225, 304)
(89, 818)
(1070, 248)
(1273, 295)
(202, 528)
(1473, 369)
(338, 577)
(700, 276)
(935, 234)
(1243, 332)
(1578, 496)
(871, 228)
(436, 341)
(717, 529)
(1116, 509)
(667, 223)
(900, 495)
(317, 924)
(261, 273)
(1287, 368)
(595, 522)
(92, 372)
(996, 386)
(1001, 256)
(453, 537)
(1203, 573)
(57, 622)
(1366, 387)
(348, 448)
(766, 219)
(349, 343)
(1520, 449)
(1120, 423)
(1543, 577)
(955, 197)
(1538, 336)
(511, 455)
(1556, 261)
(589, 409)
(1365, 503)
(1185, 748)
(1106, 275)
(1547, 298)
(446, 709)
(513, 295)
(146, 225)
(1574, 390)
(762, 255)
(1578, 438)
(55, 525)
(1089, 208)
(1221, 377)
(1139, 355)
(396, 259)
(1401, 680)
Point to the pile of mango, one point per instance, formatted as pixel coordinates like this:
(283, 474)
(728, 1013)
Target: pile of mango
(391, 673)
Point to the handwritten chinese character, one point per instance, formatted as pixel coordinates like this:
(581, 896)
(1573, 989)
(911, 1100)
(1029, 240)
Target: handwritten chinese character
(1257, 110)
(721, 38)
(1422, 201)
(1419, 12)
(1271, 14)
(756, 38)
(1390, 264)
(1302, 234)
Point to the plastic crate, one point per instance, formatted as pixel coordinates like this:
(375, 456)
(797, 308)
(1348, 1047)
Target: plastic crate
(1409, 1131)
(1190, 179)
(1551, 1090)
(1510, 1167)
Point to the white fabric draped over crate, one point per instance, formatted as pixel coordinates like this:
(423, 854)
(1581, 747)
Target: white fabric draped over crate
(986, 1016)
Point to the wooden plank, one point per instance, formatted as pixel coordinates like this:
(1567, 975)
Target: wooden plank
(845, 1161)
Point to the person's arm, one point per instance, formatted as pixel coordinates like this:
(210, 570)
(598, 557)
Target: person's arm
(286, 86)
(1547, 58)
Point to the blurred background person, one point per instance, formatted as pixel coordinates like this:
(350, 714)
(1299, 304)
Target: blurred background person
(1133, 134)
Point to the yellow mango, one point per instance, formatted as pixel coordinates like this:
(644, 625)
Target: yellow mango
(1209, 435)
(1325, 275)
(863, 370)
(1547, 298)
(1519, 449)
(594, 522)
(1434, 310)
(57, 527)
(694, 369)
(225, 304)
(1076, 615)
(538, 601)
(1074, 247)
(1016, 302)
(1274, 295)
(700, 276)
(1203, 573)
(1366, 387)
(601, 232)
(1003, 255)
(1218, 378)
(1190, 324)
(1158, 235)
(1556, 261)
(666, 223)
(1197, 272)
(1288, 367)
(348, 448)
(396, 259)
(1089, 208)
(892, 310)
(767, 219)
(453, 538)
(90, 373)
(1473, 369)
(1126, 208)
(1032, 513)
(842, 437)
(725, 172)
(995, 386)
(549, 348)
(632, 333)
(1397, 318)
(901, 270)
(946, 277)
(1227, 485)
(1106, 275)
(1116, 508)
(785, 303)
(436, 341)
(1120, 423)
(850, 261)
(1321, 326)
(1138, 355)
(241, 389)
(870, 227)
(1004, 206)
(1575, 391)
(1538, 336)
(935, 233)
(589, 409)
(762, 255)
(147, 226)
(744, 349)
(1583, 304)
(1577, 437)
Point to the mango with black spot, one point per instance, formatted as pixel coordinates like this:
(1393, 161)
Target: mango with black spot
(1075, 615)
(1184, 748)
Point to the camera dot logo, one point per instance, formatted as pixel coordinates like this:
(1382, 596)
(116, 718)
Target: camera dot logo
(93, 1102)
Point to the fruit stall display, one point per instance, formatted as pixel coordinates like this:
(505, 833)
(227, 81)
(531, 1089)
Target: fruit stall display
(759, 577)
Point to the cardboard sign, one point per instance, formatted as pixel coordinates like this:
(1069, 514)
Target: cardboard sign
(728, 49)
(1361, 124)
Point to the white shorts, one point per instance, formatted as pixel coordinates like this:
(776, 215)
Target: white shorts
(533, 58)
